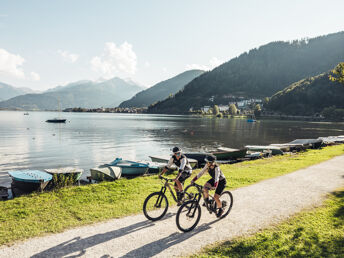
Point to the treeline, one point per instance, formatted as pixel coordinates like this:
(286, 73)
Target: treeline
(258, 73)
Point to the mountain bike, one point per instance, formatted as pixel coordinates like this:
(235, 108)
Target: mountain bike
(156, 204)
(189, 213)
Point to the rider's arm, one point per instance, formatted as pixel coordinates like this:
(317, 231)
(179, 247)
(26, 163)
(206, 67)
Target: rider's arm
(167, 167)
(200, 173)
(182, 164)
(217, 176)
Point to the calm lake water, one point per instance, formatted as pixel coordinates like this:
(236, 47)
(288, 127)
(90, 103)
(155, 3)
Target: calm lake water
(91, 139)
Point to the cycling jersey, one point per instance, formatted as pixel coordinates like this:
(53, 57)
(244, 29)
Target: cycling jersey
(214, 172)
(182, 163)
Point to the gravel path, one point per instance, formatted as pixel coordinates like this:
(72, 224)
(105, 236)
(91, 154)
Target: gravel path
(255, 207)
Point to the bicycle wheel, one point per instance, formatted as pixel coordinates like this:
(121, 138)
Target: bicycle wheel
(188, 216)
(155, 206)
(226, 199)
(190, 192)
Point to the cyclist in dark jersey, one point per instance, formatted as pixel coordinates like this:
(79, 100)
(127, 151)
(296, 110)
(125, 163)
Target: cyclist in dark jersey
(217, 181)
(184, 171)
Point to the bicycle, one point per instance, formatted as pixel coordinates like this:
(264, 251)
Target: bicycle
(156, 204)
(190, 211)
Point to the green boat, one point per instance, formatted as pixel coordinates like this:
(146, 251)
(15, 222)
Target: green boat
(106, 173)
(274, 149)
(67, 171)
(224, 153)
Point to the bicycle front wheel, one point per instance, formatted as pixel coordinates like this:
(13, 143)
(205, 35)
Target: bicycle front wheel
(155, 206)
(188, 216)
(226, 199)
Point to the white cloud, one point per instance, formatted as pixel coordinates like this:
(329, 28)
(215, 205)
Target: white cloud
(70, 57)
(34, 76)
(147, 64)
(213, 62)
(115, 61)
(10, 64)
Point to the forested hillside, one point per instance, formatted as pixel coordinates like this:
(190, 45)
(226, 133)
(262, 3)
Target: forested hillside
(259, 73)
(308, 96)
(161, 90)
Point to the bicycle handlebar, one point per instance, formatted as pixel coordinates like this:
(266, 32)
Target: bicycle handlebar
(166, 179)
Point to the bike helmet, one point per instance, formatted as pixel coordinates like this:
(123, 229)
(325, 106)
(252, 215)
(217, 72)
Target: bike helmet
(176, 150)
(210, 158)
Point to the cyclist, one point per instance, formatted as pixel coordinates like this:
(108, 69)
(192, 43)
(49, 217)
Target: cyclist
(217, 181)
(184, 171)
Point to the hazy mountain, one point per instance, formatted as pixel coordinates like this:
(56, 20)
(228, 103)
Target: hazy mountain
(161, 90)
(308, 96)
(7, 91)
(258, 73)
(86, 94)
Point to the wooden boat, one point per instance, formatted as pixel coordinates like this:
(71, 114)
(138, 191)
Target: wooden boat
(165, 159)
(308, 143)
(30, 180)
(56, 120)
(67, 171)
(331, 140)
(274, 149)
(289, 147)
(154, 167)
(130, 168)
(106, 173)
(224, 153)
(199, 156)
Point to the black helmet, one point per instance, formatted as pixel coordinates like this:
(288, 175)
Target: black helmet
(176, 149)
(210, 158)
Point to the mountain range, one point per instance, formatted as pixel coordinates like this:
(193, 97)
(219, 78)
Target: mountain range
(259, 73)
(7, 91)
(86, 94)
(161, 90)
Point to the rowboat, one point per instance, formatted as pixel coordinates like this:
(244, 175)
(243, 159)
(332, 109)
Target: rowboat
(165, 159)
(224, 153)
(289, 147)
(199, 156)
(330, 140)
(56, 120)
(308, 143)
(130, 168)
(274, 149)
(106, 173)
(30, 180)
(67, 171)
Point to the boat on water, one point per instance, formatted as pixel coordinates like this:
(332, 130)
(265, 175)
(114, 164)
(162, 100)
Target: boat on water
(26, 113)
(67, 171)
(130, 168)
(250, 120)
(260, 148)
(165, 159)
(29, 180)
(56, 120)
(224, 153)
(106, 173)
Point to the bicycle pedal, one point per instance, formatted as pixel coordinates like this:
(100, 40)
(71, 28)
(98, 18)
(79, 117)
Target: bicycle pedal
(204, 205)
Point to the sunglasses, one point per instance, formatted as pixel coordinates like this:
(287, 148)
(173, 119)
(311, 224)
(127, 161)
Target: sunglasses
(177, 153)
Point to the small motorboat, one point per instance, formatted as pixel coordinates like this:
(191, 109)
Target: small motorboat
(224, 153)
(26, 114)
(106, 173)
(274, 149)
(56, 120)
(67, 171)
(130, 168)
(165, 159)
(29, 180)
(251, 120)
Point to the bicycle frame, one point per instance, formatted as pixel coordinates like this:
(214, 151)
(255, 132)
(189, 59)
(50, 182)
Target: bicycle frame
(163, 190)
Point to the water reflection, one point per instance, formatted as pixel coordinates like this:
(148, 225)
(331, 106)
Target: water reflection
(88, 140)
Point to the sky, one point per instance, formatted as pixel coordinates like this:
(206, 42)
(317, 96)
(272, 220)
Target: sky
(44, 44)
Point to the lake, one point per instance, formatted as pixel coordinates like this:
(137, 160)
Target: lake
(91, 139)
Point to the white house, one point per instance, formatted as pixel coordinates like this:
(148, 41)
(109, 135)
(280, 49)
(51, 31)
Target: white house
(223, 108)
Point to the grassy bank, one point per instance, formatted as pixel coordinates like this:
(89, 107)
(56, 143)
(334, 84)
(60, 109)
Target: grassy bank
(316, 233)
(51, 212)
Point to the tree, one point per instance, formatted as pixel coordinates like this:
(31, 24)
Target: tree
(216, 110)
(337, 74)
(257, 110)
(232, 109)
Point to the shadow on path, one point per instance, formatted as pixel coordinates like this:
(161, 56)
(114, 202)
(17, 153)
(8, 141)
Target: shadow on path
(160, 245)
(80, 245)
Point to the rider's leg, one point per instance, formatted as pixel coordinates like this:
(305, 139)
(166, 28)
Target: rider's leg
(206, 188)
(218, 202)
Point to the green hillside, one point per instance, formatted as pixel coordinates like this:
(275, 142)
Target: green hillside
(259, 73)
(308, 96)
(161, 90)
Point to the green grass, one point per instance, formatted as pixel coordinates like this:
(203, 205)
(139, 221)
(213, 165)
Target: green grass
(51, 212)
(316, 233)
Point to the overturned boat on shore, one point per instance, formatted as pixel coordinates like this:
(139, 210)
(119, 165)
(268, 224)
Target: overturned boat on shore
(29, 180)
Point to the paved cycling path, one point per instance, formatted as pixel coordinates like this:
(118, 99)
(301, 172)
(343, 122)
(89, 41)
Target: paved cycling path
(255, 207)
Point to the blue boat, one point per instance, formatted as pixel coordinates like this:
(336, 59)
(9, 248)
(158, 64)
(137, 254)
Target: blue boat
(29, 180)
(251, 120)
(130, 168)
